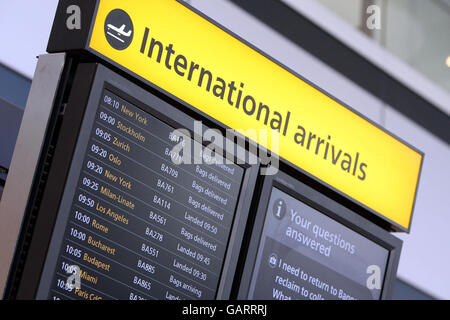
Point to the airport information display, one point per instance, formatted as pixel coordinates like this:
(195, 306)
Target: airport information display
(304, 254)
(105, 207)
(137, 225)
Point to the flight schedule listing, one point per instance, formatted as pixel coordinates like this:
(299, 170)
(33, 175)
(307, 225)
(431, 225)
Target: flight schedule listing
(140, 226)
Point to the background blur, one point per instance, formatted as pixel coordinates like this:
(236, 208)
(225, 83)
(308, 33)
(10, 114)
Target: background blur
(397, 75)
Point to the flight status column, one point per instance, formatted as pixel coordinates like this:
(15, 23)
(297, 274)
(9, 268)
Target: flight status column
(141, 227)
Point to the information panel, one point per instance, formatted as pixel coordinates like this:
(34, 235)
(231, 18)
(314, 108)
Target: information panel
(137, 225)
(304, 254)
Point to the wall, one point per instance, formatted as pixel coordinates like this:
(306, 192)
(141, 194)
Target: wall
(350, 10)
(25, 28)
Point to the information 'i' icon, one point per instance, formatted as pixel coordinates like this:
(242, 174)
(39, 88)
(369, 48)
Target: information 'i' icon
(279, 208)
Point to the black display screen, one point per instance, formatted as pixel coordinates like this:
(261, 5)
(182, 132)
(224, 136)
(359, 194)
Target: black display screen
(305, 255)
(137, 225)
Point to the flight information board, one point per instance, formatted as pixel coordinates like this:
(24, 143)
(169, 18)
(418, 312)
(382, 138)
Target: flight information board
(305, 255)
(137, 225)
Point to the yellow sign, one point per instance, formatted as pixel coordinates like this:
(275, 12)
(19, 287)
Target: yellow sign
(169, 45)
